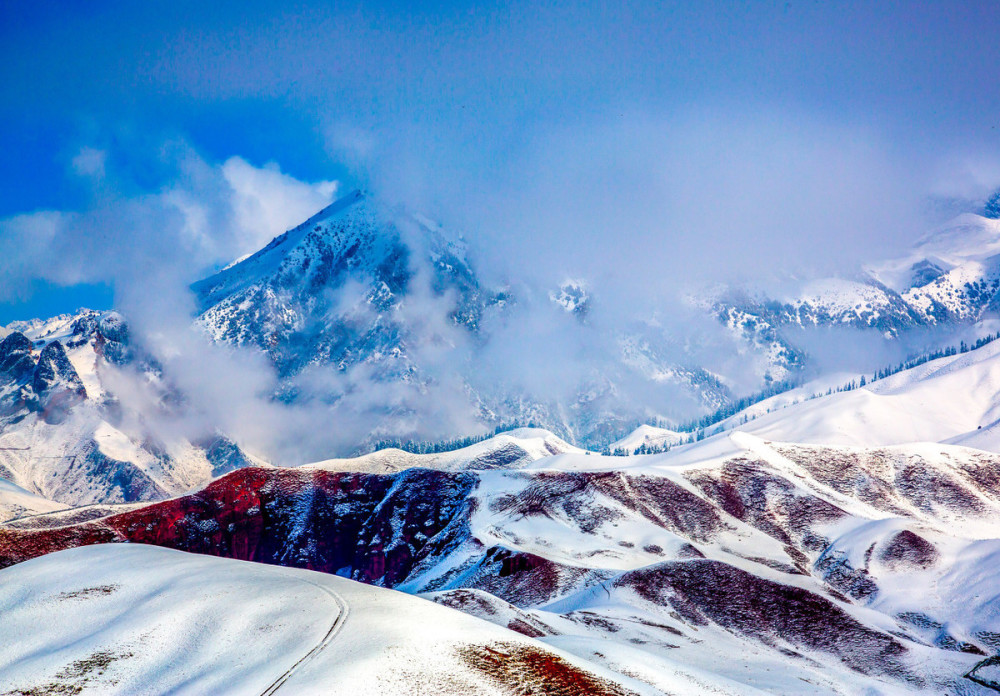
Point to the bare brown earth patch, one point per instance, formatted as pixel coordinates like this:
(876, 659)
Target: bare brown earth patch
(752, 492)
(74, 677)
(526, 579)
(907, 549)
(884, 478)
(704, 591)
(87, 592)
(529, 671)
(575, 496)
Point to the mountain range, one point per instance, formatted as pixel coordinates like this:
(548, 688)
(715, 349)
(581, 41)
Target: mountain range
(852, 558)
(835, 533)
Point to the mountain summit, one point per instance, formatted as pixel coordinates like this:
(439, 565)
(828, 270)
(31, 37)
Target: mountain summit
(331, 291)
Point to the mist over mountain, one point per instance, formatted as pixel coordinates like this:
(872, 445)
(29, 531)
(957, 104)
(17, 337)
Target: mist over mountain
(376, 318)
(381, 348)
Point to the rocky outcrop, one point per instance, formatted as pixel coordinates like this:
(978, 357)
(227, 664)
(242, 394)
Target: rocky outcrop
(49, 386)
(57, 386)
(16, 360)
(376, 529)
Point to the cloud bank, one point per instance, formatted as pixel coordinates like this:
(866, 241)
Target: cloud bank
(646, 208)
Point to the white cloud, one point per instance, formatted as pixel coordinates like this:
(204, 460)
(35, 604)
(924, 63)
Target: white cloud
(208, 215)
(266, 202)
(90, 162)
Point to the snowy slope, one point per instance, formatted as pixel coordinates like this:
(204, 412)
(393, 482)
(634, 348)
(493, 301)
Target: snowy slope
(511, 450)
(967, 238)
(952, 399)
(944, 400)
(735, 564)
(17, 502)
(651, 436)
(145, 620)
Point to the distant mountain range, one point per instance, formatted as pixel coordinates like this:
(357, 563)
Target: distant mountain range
(825, 539)
(389, 297)
(352, 286)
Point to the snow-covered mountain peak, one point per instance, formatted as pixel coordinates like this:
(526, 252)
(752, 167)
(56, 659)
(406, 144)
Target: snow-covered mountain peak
(330, 291)
(965, 238)
(256, 266)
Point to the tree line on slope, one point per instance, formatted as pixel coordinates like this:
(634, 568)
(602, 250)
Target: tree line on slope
(696, 429)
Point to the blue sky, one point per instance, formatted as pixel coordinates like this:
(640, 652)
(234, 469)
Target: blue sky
(444, 103)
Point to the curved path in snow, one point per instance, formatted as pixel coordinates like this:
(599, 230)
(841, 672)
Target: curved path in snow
(335, 627)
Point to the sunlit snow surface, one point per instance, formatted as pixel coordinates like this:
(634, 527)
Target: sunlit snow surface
(132, 619)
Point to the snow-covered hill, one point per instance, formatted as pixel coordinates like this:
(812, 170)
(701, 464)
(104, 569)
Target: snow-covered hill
(952, 399)
(736, 563)
(513, 449)
(651, 437)
(17, 502)
(145, 620)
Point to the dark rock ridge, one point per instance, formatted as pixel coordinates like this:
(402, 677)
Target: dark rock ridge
(115, 479)
(225, 455)
(111, 339)
(56, 384)
(16, 356)
(49, 386)
(376, 529)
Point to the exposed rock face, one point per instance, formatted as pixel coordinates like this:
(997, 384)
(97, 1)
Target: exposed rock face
(16, 357)
(225, 456)
(119, 481)
(49, 386)
(110, 335)
(56, 384)
(924, 272)
(373, 528)
(17, 365)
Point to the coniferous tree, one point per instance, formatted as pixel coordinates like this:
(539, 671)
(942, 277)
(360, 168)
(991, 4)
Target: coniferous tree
(992, 208)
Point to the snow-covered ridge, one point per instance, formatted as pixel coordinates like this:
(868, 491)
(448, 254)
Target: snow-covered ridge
(253, 268)
(513, 449)
(198, 625)
(673, 569)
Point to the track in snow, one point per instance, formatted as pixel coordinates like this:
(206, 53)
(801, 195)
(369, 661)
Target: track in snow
(335, 627)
